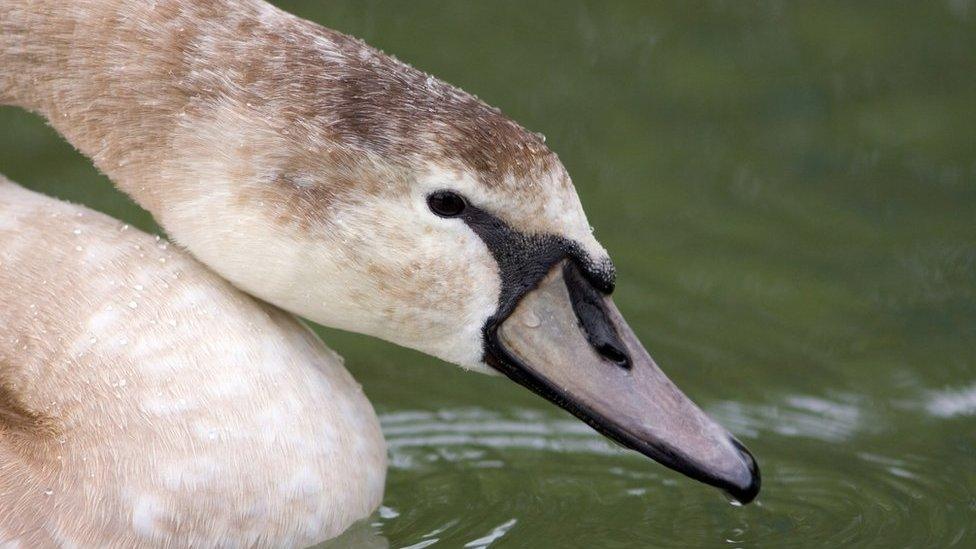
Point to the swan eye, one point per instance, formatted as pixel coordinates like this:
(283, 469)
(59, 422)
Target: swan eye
(446, 203)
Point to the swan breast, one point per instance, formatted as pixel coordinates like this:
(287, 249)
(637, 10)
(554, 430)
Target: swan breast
(152, 393)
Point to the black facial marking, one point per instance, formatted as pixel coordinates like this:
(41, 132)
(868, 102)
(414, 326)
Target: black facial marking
(523, 260)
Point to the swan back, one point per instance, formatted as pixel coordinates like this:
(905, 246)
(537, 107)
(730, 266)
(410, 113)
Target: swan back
(145, 401)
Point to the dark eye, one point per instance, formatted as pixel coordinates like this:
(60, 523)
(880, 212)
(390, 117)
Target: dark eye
(446, 203)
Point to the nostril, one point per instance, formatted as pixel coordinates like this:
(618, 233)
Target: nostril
(610, 352)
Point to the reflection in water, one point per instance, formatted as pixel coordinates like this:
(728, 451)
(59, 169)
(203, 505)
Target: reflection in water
(829, 420)
(496, 534)
(362, 535)
(952, 402)
(422, 544)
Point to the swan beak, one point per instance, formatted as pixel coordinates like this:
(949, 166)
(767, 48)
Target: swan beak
(568, 342)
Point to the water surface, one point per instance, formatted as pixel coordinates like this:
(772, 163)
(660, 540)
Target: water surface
(789, 193)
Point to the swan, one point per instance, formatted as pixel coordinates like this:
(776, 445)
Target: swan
(337, 183)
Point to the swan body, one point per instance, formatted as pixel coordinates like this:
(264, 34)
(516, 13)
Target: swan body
(144, 401)
(324, 177)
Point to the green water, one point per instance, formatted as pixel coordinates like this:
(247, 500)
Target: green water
(788, 190)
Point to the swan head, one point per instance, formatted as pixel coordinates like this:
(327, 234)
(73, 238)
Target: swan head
(353, 190)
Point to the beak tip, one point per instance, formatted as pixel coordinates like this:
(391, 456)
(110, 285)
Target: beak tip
(745, 489)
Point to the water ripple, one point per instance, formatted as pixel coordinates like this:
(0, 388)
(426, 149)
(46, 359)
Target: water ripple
(824, 484)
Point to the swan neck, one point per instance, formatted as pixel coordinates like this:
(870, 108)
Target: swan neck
(119, 79)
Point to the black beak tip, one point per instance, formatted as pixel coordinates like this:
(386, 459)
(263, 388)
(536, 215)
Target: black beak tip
(746, 489)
